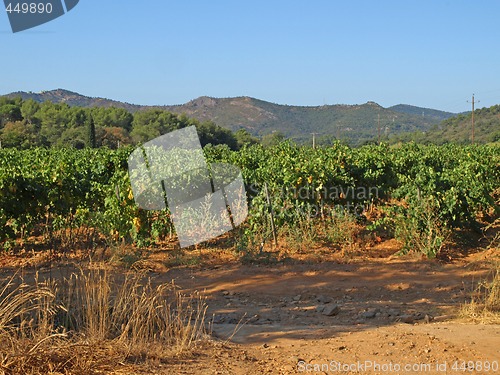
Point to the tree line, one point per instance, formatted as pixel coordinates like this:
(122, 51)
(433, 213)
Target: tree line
(27, 123)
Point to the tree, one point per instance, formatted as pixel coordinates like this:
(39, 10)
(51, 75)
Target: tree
(152, 123)
(74, 137)
(91, 140)
(112, 117)
(112, 137)
(243, 137)
(10, 113)
(210, 133)
(20, 135)
(55, 119)
(78, 117)
(272, 139)
(29, 109)
(326, 140)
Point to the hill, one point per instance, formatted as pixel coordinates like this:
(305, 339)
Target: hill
(354, 124)
(72, 98)
(433, 114)
(458, 129)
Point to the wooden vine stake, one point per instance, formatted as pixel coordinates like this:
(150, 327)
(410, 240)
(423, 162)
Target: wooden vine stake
(271, 212)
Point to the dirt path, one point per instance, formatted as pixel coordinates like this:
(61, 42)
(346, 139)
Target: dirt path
(292, 319)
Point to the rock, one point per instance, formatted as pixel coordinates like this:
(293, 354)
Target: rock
(323, 300)
(331, 310)
(442, 318)
(297, 297)
(370, 313)
(320, 308)
(393, 312)
(409, 319)
(418, 316)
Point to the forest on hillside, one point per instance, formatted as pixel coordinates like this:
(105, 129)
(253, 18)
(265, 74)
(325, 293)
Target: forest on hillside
(458, 129)
(27, 123)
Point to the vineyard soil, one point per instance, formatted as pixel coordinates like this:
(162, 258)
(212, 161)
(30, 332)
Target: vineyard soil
(278, 319)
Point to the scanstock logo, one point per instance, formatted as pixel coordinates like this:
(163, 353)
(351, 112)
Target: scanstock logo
(205, 200)
(27, 14)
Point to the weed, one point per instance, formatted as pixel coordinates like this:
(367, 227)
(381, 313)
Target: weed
(88, 323)
(484, 306)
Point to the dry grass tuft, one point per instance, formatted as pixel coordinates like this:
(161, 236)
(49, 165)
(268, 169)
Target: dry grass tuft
(484, 306)
(89, 323)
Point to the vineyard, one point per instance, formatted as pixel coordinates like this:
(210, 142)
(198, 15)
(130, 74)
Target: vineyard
(64, 198)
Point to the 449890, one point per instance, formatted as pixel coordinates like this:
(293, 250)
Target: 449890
(475, 366)
(31, 8)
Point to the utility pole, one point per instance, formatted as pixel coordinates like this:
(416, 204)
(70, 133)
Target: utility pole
(314, 140)
(378, 128)
(472, 102)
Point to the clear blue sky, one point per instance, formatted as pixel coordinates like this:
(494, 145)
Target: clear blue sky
(430, 53)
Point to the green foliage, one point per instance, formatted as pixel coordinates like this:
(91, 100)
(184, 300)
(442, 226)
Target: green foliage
(422, 112)
(458, 129)
(29, 108)
(426, 190)
(91, 139)
(272, 139)
(420, 227)
(25, 124)
(244, 138)
(353, 124)
(9, 113)
(18, 134)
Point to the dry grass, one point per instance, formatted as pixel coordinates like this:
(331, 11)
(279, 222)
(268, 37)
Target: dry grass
(484, 306)
(88, 323)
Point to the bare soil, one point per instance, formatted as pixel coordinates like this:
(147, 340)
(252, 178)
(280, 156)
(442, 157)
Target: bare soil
(391, 311)
(342, 316)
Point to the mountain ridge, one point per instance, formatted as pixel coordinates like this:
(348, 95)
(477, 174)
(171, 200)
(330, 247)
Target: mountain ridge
(353, 123)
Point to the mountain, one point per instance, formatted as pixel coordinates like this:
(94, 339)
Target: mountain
(433, 114)
(354, 124)
(72, 99)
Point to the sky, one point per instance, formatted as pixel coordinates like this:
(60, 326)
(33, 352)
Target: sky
(428, 53)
